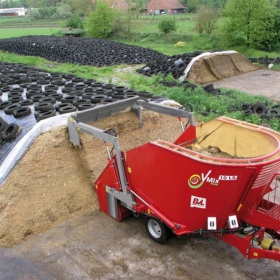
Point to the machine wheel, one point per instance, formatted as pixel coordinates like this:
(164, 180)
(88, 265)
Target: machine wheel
(156, 229)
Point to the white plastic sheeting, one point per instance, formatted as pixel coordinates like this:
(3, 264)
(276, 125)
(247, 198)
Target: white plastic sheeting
(198, 57)
(23, 145)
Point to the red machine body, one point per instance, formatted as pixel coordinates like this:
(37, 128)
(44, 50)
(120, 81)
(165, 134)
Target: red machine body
(194, 192)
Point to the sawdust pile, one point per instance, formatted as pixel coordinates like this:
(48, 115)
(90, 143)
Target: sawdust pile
(54, 180)
(219, 66)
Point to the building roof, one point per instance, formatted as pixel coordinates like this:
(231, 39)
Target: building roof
(12, 10)
(167, 4)
(120, 4)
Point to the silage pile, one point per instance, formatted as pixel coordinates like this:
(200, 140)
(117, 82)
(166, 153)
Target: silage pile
(53, 182)
(216, 67)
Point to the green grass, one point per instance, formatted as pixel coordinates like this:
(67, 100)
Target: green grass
(183, 27)
(13, 19)
(18, 32)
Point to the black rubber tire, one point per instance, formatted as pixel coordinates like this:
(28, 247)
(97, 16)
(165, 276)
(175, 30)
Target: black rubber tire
(118, 95)
(12, 94)
(247, 112)
(259, 108)
(10, 131)
(49, 99)
(246, 106)
(57, 96)
(107, 100)
(6, 89)
(119, 88)
(26, 102)
(3, 124)
(77, 80)
(16, 99)
(67, 109)
(85, 106)
(46, 115)
(97, 98)
(17, 89)
(61, 105)
(87, 95)
(272, 112)
(21, 112)
(67, 89)
(145, 94)
(77, 102)
(33, 92)
(5, 104)
(9, 110)
(96, 84)
(208, 87)
(43, 106)
(49, 91)
(68, 99)
(156, 229)
(266, 116)
(37, 97)
(188, 107)
(80, 86)
(76, 92)
(57, 82)
(42, 81)
(51, 87)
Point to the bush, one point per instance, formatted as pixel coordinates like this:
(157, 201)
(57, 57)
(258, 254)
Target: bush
(167, 25)
(75, 22)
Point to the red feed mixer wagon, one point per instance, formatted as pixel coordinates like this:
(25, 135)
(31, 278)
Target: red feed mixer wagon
(219, 178)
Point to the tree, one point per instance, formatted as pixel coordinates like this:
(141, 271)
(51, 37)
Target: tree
(80, 7)
(33, 3)
(206, 19)
(167, 25)
(273, 42)
(100, 22)
(63, 11)
(124, 22)
(248, 21)
(194, 5)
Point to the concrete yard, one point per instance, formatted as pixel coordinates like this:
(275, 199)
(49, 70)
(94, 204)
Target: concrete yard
(260, 82)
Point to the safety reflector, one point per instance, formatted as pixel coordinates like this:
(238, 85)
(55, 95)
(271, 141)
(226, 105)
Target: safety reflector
(232, 222)
(211, 223)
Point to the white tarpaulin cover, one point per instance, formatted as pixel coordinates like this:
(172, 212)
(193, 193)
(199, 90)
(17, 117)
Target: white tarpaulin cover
(23, 145)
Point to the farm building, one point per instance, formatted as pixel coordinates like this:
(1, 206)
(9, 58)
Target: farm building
(117, 4)
(157, 7)
(13, 12)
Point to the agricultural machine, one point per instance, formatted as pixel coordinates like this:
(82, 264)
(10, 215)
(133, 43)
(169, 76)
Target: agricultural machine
(218, 178)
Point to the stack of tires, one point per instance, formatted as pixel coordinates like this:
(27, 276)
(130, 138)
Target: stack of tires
(44, 94)
(82, 51)
(174, 65)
